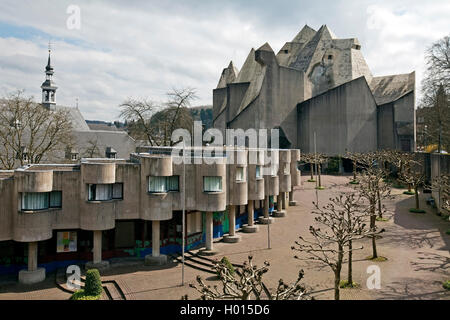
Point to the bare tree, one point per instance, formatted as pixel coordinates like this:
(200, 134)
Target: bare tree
(353, 156)
(441, 185)
(92, 149)
(343, 226)
(434, 104)
(155, 122)
(309, 158)
(372, 188)
(320, 159)
(31, 133)
(246, 283)
(414, 176)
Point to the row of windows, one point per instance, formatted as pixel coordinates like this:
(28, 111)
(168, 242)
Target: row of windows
(105, 192)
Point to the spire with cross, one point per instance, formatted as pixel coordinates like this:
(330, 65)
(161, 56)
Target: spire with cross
(48, 86)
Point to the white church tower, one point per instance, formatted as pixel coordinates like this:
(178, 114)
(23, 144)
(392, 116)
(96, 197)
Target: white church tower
(48, 86)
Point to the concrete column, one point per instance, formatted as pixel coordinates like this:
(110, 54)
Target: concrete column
(281, 206)
(33, 274)
(232, 237)
(32, 256)
(250, 227)
(155, 238)
(155, 259)
(283, 200)
(97, 250)
(292, 202)
(251, 212)
(266, 219)
(97, 262)
(209, 231)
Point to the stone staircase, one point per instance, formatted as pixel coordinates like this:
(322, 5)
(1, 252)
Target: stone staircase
(198, 262)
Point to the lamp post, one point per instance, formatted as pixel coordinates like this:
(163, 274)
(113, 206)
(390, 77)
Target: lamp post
(183, 217)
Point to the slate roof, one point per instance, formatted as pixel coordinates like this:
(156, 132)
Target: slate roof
(387, 89)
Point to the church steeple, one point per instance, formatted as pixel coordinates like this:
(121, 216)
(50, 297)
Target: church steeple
(48, 86)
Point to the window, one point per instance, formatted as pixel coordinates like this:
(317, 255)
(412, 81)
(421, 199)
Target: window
(157, 184)
(74, 156)
(56, 199)
(330, 57)
(240, 174)
(258, 172)
(117, 191)
(163, 184)
(212, 184)
(173, 183)
(41, 200)
(105, 192)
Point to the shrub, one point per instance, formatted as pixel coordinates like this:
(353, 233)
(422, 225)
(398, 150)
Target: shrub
(81, 295)
(93, 286)
(228, 264)
(448, 232)
(446, 285)
(414, 210)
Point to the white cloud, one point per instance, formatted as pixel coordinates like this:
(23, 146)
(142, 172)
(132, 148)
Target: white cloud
(144, 48)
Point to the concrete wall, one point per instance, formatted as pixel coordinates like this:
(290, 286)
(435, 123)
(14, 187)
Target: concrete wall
(344, 119)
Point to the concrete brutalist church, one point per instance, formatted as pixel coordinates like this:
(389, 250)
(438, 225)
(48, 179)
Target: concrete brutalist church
(318, 83)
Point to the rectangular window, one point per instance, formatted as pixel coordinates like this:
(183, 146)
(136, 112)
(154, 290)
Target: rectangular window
(100, 192)
(258, 172)
(212, 184)
(55, 199)
(157, 184)
(35, 200)
(117, 191)
(239, 174)
(173, 183)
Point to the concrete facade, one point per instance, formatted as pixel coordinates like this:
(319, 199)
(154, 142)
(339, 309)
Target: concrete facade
(97, 194)
(318, 83)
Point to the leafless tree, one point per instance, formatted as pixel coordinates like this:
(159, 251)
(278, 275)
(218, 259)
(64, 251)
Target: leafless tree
(31, 133)
(344, 222)
(414, 176)
(353, 156)
(309, 158)
(320, 159)
(156, 122)
(246, 283)
(92, 149)
(434, 105)
(372, 188)
(441, 185)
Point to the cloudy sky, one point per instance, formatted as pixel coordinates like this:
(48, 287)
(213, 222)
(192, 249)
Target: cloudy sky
(142, 49)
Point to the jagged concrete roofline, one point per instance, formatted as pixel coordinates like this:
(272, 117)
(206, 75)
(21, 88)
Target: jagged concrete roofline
(266, 47)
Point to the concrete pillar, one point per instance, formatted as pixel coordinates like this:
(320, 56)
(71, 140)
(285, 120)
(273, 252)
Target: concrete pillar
(266, 219)
(32, 256)
(208, 251)
(155, 259)
(97, 262)
(251, 212)
(97, 250)
(292, 202)
(232, 237)
(156, 231)
(33, 274)
(281, 206)
(250, 227)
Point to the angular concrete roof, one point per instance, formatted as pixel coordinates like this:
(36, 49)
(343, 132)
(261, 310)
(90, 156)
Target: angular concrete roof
(387, 89)
(229, 74)
(305, 35)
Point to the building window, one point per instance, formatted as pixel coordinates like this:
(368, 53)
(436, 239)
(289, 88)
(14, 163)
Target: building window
(158, 184)
(240, 174)
(56, 199)
(74, 156)
(173, 183)
(212, 184)
(41, 200)
(258, 172)
(117, 191)
(105, 192)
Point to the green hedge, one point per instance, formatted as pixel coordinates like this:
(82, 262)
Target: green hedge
(93, 286)
(81, 295)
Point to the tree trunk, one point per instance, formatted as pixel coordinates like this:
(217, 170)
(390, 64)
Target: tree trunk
(318, 171)
(311, 169)
(416, 194)
(380, 212)
(409, 187)
(372, 227)
(337, 272)
(354, 170)
(350, 267)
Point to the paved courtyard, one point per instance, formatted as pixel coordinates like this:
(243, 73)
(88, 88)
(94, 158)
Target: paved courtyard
(416, 245)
